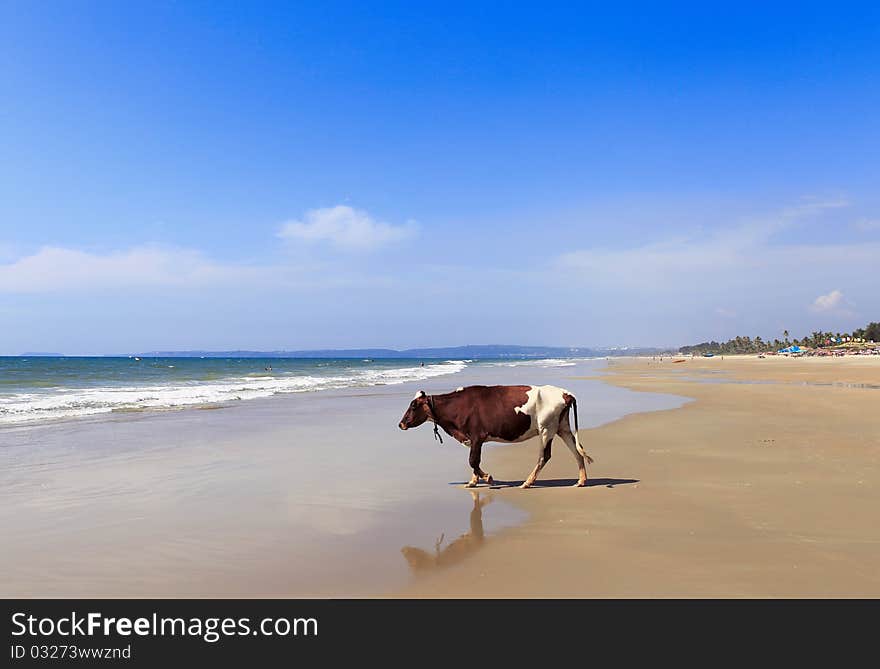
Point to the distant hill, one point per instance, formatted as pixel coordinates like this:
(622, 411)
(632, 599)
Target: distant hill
(472, 352)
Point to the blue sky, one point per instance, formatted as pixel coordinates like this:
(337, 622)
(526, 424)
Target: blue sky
(207, 175)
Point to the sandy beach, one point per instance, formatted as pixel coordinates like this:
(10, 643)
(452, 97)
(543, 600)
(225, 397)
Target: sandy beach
(738, 477)
(766, 485)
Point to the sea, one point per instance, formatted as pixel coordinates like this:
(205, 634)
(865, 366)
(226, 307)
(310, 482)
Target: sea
(38, 389)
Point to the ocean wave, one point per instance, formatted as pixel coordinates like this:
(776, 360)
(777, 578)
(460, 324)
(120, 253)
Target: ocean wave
(546, 362)
(76, 402)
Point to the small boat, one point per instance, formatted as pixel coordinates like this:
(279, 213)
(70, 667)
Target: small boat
(708, 355)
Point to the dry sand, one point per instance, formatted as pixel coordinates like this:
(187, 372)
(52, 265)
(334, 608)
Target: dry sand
(756, 489)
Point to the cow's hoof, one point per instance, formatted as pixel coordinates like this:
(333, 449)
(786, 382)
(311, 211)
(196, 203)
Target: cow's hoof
(580, 484)
(470, 484)
(525, 486)
(490, 480)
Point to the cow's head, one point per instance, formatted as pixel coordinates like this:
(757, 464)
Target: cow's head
(417, 413)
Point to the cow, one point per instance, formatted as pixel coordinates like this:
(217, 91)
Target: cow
(510, 414)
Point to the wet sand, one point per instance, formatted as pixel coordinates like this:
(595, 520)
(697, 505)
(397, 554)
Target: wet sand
(315, 494)
(767, 485)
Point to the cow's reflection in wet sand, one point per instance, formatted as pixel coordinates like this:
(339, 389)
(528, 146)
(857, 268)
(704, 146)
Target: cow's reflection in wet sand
(421, 560)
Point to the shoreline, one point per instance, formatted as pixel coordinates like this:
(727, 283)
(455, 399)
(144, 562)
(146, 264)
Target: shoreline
(270, 499)
(750, 490)
(113, 387)
(713, 478)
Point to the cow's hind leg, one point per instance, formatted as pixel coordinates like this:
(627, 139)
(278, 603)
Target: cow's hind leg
(566, 435)
(543, 458)
(474, 461)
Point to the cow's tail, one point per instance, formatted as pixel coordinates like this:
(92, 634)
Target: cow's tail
(577, 440)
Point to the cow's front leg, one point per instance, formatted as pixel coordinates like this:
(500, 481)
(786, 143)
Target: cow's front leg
(474, 461)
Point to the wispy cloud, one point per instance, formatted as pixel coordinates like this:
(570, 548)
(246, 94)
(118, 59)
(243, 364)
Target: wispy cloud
(766, 270)
(814, 205)
(868, 224)
(54, 268)
(692, 262)
(169, 270)
(758, 276)
(344, 227)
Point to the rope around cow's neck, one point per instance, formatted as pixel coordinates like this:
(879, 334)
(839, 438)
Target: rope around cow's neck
(434, 419)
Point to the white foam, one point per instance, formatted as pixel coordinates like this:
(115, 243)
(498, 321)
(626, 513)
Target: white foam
(547, 362)
(70, 403)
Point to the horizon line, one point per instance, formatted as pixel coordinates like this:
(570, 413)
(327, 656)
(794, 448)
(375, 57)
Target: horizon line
(354, 350)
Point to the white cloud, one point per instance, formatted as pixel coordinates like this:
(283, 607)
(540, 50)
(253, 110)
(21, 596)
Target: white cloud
(346, 228)
(831, 301)
(53, 268)
(61, 269)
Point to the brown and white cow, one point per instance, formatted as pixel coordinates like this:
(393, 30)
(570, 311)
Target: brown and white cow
(477, 414)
